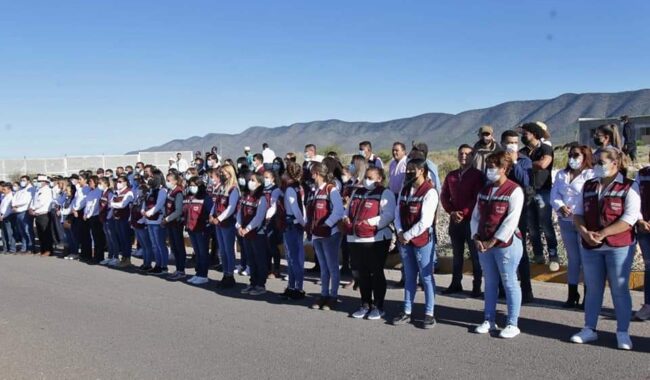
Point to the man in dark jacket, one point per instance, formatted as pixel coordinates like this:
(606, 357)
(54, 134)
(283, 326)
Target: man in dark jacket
(629, 137)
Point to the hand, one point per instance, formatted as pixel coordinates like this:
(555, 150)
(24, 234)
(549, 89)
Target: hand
(31, 212)
(592, 238)
(479, 245)
(643, 226)
(1, 219)
(565, 211)
(401, 239)
(164, 221)
(456, 216)
(489, 244)
(75, 213)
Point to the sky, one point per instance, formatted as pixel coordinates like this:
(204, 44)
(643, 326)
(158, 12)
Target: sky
(107, 77)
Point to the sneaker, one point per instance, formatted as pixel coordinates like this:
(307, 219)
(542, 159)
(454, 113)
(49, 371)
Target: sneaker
(319, 302)
(192, 279)
(476, 292)
(375, 314)
(176, 276)
(200, 280)
(156, 271)
(297, 294)
(429, 321)
(227, 282)
(527, 297)
(72, 257)
(402, 319)
(103, 262)
(124, 263)
(246, 272)
(509, 332)
(486, 327)
(286, 294)
(453, 289)
(258, 290)
(585, 335)
(644, 313)
(165, 270)
(362, 312)
(554, 266)
(624, 341)
(113, 262)
(247, 289)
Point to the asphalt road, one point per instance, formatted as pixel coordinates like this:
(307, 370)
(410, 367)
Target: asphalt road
(66, 320)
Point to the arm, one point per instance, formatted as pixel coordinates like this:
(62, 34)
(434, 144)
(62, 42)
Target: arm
(473, 224)
(429, 206)
(272, 208)
(126, 200)
(337, 208)
(160, 203)
(445, 196)
(178, 206)
(387, 211)
(258, 219)
(398, 222)
(556, 198)
(233, 198)
(510, 223)
(292, 198)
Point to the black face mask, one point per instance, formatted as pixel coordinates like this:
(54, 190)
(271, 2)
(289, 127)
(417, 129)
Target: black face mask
(525, 140)
(409, 178)
(597, 141)
(223, 179)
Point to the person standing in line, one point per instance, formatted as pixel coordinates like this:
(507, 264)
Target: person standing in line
(605, 136)
(173, 222)
(222, 216)
(80, 227)
(91, 218)
(484, 147)
(7, 218)
(629, 137)
(120, 204)
(267, 157)
(20, 206)
(274, 197)
(181, 163)
(397, 168)
(39, 209)
(138, 222)
(153, 210)
(365, 150)
(196, 211)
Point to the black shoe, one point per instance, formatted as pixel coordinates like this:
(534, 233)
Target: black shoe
(452, 289)
(297, 294)
(286, 295)
(429, 321)
(402, 319)
(476, 292)
(527, 297)
(227, 282)
(399, 284)
(346, 272)
(156, 271)
(573, 301)
(314, 269)
(144, 268)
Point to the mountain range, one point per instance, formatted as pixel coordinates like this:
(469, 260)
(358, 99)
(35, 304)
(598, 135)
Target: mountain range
(438, 130)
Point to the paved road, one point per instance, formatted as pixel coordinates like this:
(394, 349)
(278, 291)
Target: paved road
(64, 320)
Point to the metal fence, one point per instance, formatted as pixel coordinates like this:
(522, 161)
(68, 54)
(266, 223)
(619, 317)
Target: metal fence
(68, 165)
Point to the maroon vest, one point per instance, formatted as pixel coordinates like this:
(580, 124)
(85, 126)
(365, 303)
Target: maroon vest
(319, 209)
(248, 208)
(195, 218)
(121, 213)
(410, 211)
(170, 203)
(493, 210)
(601, 213)
(136, 213)
(103, 206)
(644, 191)
(221, 199)
(364, 204)
(150, 202)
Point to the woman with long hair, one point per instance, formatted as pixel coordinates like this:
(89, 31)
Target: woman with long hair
(222, 216)
(196, 211)
(291, 222)
(173, 222)
(153, 210)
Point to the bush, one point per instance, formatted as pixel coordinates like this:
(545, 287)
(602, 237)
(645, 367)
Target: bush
(331, 148)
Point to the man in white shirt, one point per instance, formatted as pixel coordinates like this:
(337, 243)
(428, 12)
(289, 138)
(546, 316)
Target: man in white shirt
(40, 210)
(7, 218)
(181, 163)
(20, 204)
(397, 168)
(268, 156)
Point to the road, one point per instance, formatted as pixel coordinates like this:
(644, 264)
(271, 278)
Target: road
(67, 320)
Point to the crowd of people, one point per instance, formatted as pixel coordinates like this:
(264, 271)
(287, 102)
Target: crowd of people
(503, 193)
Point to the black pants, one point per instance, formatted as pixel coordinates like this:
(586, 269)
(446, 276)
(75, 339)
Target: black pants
(84, 239)
(369, 259)
(99, 238)
(460, 235)
(44, 232)
(273, 239)
(346, 264)
(524, 264)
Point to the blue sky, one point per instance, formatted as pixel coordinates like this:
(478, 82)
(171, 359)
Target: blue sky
(92, 77)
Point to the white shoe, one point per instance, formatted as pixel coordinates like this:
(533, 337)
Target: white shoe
(554, 266)
(362, 312)
(585, 335)
(246, 272)
(104, 262)
(247, 290)
(624, 341)
(509, 332)
(643, 313)
(258, 290)
(113, 262)
(375, 314)
(200, 280)
(192, 279)
(486, 327)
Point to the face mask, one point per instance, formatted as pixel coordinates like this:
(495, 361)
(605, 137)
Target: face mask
(409, 178)
(511, 148)
(169, 185)
(307, 156)
(345, 178)
(51, 185)
(276, 167)
(369, 184)
(238, 166)
(101, 187)
(121, 185)
(575, 163)
(34, 183)
(241, 181)
(597, 141)
(525, 140)
(210, 163)
(351, 168)
(252, 185)
(362, 153)
(193, 189)
(268, 182)
(493, 175)
(16, 188)
(75, 182)
(602, 171)
(23, 183)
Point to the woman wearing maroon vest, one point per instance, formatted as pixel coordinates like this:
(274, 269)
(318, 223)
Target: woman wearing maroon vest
(108, 224)
(323, 215)
(173, 220)
(196, 211)
(120, 206)
(497, 238)
(274, 198)
(605, 216)
(291, 222)
(250, 226)
(417, 204)
(137, 221)
(370, 211)
(643, 181)
(222, 216)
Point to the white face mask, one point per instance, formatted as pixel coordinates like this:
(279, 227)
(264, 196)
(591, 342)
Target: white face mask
(493, 174)
(369, 184)
(194, 189)
(101, 187)
(345, 178)
(16, 188)
(169, 185)
(188, 176)
(575, 163)
(210, 163)
(241, 181)
(307, 156)
(602, 171)
(121, 185)
(75, 182)
(362, 153)
(511, 148)
(23, 183)
(252, 185)
(268, 182)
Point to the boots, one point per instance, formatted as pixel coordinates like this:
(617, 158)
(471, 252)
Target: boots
(574, 298)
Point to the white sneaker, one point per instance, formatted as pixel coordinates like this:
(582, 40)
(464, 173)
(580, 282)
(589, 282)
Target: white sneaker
(113, 262)
(246, 272)
(375, 314)
(585, 335)
(362, 312)
(247, 289)
(192, 279)
(258, 290)
(509, 332)
(486, 327)
(104, 262)
(554, 266)
(643, 313)
(624, 341)
(200, 280)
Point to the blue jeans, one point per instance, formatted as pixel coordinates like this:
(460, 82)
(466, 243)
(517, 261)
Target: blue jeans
(613, 264)
(418, 261)
(226, 241)
(540, 221)
(124, 237)
(327, 251)
(571, 239)
(256, 250)
(177, 244)
(8, 224)
(158, 237)
(295, 254)
(199, 241)
(502, 263)
(71, 241)
(111, 238)
(644, 243)
(26, 230)
(143, 238)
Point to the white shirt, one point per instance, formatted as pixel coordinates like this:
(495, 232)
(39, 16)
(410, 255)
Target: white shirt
(382, 221)
(79, 200)
(182, 165)
(92, 203)
(565, 192)
(631, 209)
(429, 207)
(337, 210)
(292, 206)
(42, 201)
(268, 155)
(5, 205)
(127, 198)
(272, 208)
(23, 198)
(509, 225)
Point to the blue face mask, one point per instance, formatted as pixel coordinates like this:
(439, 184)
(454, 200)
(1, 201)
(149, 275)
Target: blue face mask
(352, 168)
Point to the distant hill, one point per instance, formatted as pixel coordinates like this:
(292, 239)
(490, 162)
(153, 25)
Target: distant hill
(438, 130)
